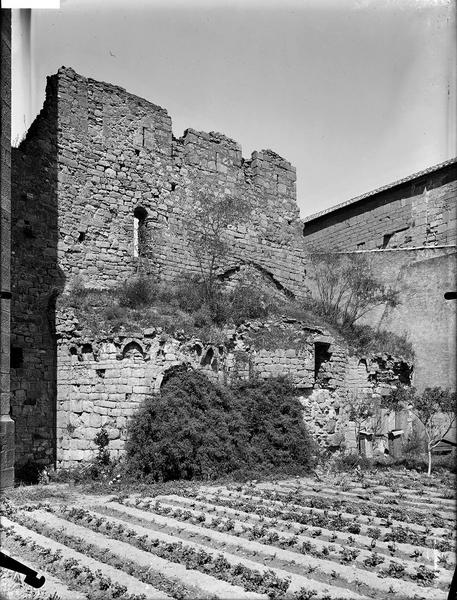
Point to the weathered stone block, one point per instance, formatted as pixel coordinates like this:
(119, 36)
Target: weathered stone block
(113, 433)
(95, 420)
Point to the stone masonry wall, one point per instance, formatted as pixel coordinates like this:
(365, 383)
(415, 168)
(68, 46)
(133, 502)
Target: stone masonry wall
(36, 282)
(421, 276)
(102, 382)
(117, 155)
(6, 423)
(92, 156)
(420, 212)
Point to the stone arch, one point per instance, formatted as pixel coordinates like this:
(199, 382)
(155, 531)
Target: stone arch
(87, 348)
(133, 350)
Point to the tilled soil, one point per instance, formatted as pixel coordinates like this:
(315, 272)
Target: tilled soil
(297, 539)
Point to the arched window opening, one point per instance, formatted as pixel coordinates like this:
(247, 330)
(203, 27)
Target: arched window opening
(139, 231)
(133, 350)
(206, 360)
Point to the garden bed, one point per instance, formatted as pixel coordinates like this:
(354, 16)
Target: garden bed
(298, 539)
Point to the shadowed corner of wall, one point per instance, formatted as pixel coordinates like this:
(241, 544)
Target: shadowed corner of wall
(37, 281)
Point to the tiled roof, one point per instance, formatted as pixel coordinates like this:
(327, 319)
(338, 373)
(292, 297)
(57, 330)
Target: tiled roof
(380, 189)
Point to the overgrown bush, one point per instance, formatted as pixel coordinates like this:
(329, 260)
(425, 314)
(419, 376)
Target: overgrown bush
(367, 340)
(244, 301)
(249, 302)
(350, 461)
(273, 418)
(414, 445)
(137, 293)
(186, 293)
(195, 429)
(446, 462)
(363, 338)
(185, 305)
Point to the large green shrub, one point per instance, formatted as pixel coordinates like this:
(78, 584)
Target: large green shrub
(273, 418)
(194, 429)
(186, 431)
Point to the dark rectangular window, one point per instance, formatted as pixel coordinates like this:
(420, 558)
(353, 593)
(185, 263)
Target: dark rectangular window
(16, 358)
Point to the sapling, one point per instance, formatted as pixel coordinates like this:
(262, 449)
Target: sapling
(346, 286)
(207, 217)
(434, 408)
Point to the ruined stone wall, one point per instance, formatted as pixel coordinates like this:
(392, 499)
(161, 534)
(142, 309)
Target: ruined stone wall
(345, 379)
(6, 423)
(102, 382)
(36, 282)
(117, 157)
(94, 155)
(419, 212)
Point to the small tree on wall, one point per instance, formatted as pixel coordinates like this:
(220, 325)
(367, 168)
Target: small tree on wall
(208, 215)
(435, 409)
(346, 287)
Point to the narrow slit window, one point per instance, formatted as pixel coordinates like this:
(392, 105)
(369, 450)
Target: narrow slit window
(148, 138)
(139, 231)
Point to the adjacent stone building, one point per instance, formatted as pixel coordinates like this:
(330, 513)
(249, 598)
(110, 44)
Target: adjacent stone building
(409, 231)
(416, 212)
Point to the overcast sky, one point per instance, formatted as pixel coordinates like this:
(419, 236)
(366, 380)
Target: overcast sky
(354, 93)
